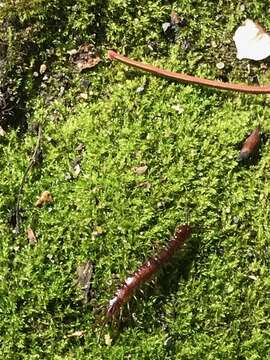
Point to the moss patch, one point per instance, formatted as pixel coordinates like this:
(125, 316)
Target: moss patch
(212, 302)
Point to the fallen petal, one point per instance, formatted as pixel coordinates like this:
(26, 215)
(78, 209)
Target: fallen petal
(252, 41)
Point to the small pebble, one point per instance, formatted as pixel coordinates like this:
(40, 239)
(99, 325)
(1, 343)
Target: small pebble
(2, 131)
(140, 89)
(83, 96)
(140, 170)
(166, 26)
(242, 7)
(43, 68)
(220, 65)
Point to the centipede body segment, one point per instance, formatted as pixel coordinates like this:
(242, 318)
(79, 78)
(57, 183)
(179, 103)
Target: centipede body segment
(147, 270)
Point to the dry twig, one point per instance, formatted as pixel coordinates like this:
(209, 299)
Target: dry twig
(32, 162)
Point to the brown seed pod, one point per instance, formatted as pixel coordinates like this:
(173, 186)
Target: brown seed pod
(147, 270)
(250, 145)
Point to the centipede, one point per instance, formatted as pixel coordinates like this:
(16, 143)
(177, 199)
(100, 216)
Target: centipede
(180, 77)
(250, 145)
(147, 271)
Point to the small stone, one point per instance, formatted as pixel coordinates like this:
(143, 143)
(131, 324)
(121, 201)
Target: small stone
(76, 170)
(140, 89)
(242, 7)
(2, 131)
(220, 65)
(42, 69)
(140, 170)
(166, 26)
(83, 96)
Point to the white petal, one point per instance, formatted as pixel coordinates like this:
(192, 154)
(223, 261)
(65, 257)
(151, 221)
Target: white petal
(252, 41)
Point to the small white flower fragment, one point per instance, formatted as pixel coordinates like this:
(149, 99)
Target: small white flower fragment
(252, 41)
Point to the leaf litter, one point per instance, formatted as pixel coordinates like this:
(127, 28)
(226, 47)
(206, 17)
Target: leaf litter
(86, 57)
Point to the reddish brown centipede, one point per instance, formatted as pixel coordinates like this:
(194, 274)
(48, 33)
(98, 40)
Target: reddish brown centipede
(250, 145)
(249, 89)
(147, 270)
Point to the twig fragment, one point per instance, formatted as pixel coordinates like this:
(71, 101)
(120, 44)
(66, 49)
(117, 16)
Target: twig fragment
(31, 163)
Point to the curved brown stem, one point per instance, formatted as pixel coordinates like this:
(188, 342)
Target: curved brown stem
(249, 89)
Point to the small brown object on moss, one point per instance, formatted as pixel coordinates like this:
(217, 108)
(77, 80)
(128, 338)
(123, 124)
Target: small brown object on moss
(45, 198)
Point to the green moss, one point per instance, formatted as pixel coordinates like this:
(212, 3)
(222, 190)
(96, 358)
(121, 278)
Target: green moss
(212, 302)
